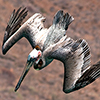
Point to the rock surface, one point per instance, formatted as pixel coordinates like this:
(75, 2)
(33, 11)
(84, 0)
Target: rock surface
(47, 84)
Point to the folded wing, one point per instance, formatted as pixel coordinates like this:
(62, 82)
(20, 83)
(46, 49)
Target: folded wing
(75, 56)
(33, 29)
(15, 22)
(13, 25)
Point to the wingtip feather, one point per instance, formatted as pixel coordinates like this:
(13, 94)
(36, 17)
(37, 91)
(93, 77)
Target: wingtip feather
(15, 22)
(62, 19)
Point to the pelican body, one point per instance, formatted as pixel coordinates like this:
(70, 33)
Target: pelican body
(52, 43)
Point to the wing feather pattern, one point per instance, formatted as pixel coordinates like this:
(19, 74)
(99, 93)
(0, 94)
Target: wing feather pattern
(76, 58)
(76, 65)
(88, 77)
(15, 22)
(58, 29)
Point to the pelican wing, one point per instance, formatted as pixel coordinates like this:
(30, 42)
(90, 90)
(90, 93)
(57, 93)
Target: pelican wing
(58, 29)
(13, 29)
(75, 56)
(33, 29)
(14, 23)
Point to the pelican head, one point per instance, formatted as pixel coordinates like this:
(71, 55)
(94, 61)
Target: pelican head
(35, 58)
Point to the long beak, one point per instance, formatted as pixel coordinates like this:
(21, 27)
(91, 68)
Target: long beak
(25, 71)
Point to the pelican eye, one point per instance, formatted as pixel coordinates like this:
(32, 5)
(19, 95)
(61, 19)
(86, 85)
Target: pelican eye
(37, 47)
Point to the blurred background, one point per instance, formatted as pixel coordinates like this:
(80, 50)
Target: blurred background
(47, 84)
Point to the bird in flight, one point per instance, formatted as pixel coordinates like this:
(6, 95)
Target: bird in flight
(52, 43)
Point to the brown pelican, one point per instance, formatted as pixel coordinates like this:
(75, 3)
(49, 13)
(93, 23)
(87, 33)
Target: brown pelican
(52, 43)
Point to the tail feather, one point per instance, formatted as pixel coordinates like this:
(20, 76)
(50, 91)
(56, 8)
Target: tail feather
(62, 20)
